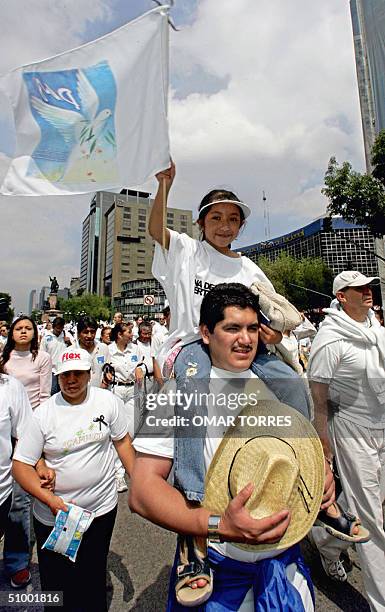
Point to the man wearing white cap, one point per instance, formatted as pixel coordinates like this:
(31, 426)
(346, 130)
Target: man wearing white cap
(253, 564)
(347, 374)
(76, 430)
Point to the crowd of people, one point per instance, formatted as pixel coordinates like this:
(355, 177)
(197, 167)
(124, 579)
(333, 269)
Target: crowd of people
(240, 482)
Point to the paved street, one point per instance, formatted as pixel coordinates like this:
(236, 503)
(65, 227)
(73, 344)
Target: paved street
(140, 561)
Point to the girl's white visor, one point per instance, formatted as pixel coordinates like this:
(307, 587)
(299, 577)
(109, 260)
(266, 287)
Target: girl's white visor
(244, 207)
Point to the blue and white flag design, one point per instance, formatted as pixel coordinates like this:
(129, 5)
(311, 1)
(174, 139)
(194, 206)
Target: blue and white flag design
(95, 117)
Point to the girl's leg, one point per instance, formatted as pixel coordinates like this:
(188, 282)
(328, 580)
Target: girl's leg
(192, 371)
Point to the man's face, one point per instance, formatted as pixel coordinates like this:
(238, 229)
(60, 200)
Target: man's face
(118, 317)
(87, 338)
(233, 343)
(4, 331)
(145, 334)
(356, 299)
(57, 329)
(73, 385)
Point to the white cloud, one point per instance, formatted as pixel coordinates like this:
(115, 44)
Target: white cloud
(35, 29)
(279, 98)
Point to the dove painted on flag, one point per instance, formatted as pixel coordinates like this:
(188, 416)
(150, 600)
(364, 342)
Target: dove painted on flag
(75, 113)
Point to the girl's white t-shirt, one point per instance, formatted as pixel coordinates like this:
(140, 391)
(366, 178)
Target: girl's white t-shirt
(187, 271)
(77, 443)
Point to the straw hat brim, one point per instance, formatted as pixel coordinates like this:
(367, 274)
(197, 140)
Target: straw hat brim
(303, 438)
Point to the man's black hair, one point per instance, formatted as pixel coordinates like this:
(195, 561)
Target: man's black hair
(224, 295)
(166, 311)
(58, 321)
(85, 322)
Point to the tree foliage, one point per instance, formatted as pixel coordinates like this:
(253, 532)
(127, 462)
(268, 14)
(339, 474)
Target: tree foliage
(86, 304)
(359, 198)
(311, 272)
(6, 311)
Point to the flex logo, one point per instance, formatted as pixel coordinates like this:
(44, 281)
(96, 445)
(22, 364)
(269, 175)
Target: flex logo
(66, 356)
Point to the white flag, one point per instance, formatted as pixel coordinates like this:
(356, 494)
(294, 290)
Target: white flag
(93, 118)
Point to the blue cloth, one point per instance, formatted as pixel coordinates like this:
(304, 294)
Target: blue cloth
(189, 468)
(232, 580)
(16, 552)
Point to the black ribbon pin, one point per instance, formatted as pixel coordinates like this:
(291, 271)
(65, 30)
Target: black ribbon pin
(100, 420)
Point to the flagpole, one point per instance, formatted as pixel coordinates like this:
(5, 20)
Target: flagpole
(164, 204)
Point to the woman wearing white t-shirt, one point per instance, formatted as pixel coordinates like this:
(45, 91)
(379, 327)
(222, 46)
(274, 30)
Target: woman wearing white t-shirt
(33, 368)
(15, 413)
(76, 430)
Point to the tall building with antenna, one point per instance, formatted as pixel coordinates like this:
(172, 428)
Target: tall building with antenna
(368, 21)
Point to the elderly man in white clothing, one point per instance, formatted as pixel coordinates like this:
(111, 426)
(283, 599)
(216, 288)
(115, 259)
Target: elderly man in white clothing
(347, 377)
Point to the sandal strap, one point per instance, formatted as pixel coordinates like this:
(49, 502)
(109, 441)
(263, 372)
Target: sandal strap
(190, 569)
(343, 523)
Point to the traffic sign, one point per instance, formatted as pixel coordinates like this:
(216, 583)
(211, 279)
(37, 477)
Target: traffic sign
(149, 300)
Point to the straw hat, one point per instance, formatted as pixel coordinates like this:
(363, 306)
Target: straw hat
(285, 464)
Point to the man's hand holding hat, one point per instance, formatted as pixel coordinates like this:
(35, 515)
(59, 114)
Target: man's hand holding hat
(237, 525)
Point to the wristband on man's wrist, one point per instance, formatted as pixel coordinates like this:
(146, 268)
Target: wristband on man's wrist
(213, 529)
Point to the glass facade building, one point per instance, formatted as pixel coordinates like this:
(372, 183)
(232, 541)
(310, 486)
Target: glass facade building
(341, 245)
(131, 301)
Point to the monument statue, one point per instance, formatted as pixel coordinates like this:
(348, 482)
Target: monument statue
(54, 285)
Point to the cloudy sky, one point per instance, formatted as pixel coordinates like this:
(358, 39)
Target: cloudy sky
(262, 94)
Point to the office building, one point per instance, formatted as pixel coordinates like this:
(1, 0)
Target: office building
(368, 20)
(93, 226)
(43, 298)
(33, 303)
(74, 286)
(116, 246)
(341, 245)
(133, 297)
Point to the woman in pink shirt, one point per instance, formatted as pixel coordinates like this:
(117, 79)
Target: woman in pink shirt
(33, 368)
(22, 359)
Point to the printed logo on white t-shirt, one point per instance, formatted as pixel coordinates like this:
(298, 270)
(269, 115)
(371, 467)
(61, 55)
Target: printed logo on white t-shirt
(202, 288)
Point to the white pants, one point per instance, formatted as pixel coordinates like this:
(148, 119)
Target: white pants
(360, 456)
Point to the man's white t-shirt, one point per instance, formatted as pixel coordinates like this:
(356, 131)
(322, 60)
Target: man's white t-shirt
(342, 366)
(222, 382)
(187, 271)
(99, 356)
(54, 346)
(15, 417)
(76, 441)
